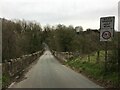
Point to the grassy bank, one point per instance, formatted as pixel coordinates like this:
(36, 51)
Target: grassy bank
(5, 81)
(94, 70)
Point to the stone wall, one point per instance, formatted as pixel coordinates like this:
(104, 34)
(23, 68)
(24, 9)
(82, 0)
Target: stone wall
(13, 67)
(63, 56)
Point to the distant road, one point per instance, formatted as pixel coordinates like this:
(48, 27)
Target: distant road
(49, 73)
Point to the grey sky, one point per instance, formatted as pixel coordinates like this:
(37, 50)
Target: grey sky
(85, 13)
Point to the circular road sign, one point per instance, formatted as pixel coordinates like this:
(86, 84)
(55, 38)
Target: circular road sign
(106, 35)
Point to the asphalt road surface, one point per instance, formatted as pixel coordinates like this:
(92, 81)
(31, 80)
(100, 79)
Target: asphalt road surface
(49, 73)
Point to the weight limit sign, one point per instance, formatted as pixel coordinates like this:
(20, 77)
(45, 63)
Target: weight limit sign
(106, 35)
(106, 28)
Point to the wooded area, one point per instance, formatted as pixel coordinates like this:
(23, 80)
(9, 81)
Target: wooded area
(25, 37)
(20, 37)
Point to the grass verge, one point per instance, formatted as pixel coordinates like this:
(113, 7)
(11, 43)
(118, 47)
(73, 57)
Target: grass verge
(95, 71)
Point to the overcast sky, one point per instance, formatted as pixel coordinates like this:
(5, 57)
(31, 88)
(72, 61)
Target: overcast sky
(85, 13)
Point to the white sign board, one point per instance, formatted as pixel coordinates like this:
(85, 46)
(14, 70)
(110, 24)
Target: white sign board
(106, 28)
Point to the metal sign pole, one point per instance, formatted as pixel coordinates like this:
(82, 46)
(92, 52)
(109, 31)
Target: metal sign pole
(106, 54)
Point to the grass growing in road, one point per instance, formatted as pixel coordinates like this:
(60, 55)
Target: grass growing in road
(93, 69)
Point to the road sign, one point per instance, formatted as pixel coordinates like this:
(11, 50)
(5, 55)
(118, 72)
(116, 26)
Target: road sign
(106, 35)
(106, 28)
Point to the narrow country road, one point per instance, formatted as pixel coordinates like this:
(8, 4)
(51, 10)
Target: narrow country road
(49, 73)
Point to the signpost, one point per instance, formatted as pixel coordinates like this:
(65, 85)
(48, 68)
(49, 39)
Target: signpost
(106, 33)
(106, 28)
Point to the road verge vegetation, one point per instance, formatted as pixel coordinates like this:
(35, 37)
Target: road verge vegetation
(95, 71)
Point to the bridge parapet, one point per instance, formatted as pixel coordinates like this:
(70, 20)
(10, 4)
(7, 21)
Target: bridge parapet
(14, 67)
(62, 56)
